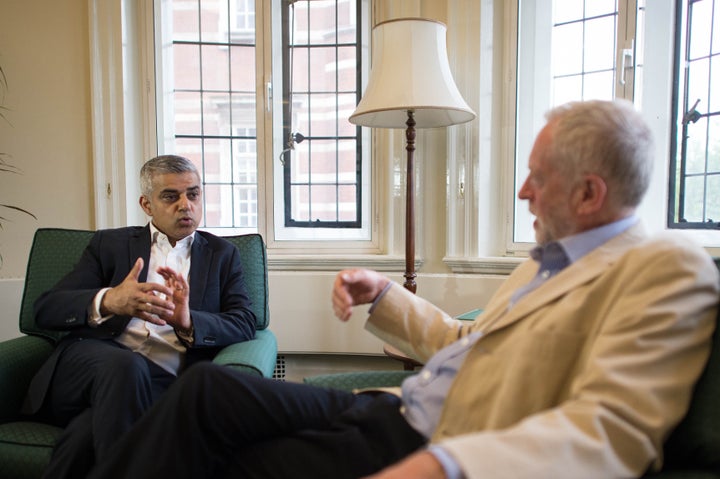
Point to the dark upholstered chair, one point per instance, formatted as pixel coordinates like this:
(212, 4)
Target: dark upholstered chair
(26, 446)
(691, 452)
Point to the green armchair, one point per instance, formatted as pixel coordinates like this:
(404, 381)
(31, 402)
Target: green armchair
(691, 452)
(26, 446)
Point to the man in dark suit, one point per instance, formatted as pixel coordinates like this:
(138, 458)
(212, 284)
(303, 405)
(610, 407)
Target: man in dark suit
(141, 305)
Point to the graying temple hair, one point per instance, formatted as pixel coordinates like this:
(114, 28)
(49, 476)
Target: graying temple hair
(606, 138)
(161, 165)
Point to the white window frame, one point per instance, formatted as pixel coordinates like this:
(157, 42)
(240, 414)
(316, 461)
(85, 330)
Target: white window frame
(124, 120)
(480, 154)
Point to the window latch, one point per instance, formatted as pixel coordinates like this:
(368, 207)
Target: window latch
(692, 115)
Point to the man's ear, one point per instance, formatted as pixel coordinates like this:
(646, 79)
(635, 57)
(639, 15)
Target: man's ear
(145, 205)
(592, 194)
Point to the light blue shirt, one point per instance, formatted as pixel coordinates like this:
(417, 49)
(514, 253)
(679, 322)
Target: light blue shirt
(424, 393)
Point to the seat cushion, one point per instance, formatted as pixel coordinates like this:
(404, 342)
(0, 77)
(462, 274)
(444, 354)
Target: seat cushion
(25, 448)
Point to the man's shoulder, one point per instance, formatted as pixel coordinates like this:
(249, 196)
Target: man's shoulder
(120, 233)
(673, 240)
(122, 230)
(213, 241)
(671, 248)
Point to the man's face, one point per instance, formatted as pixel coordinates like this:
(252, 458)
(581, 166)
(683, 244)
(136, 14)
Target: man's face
(175, 204)
(549, 193)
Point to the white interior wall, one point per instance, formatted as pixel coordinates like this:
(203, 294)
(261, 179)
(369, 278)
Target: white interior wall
(302, 317)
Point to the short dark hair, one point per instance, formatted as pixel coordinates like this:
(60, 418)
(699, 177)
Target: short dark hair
(161, 165)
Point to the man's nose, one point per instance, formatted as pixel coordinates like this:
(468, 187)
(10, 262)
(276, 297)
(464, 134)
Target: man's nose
(183, 202)
(523, 192)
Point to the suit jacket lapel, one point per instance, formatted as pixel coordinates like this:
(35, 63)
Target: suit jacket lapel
(200, 258)
(139, 247)
(584, 270)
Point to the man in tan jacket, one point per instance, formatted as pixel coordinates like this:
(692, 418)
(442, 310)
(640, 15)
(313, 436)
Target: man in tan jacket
(582, 363)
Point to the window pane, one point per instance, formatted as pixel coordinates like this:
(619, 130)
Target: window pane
(694, 194)
(191, 148)
(346, 67)
(698, 78)
(215, 68)
(300, 73)
(214, 103)
(567, 89)
(323, 25)
(322, 95)
(300, 202)
(716, 30)
(186, 20)
(243, 111)
(714, 146)
(713, 79)
(186, 60)
(600, 44)
(695, 161)
(347, 199)
(217, 155)
(213, 21)
(599, 7)
(300, 163)
(567, 10)
(246, 206)
(323, 111)
(322, 69)
(187, 113)
(323, 203)
(712, 201)
(598, 86)
(323, 167)
(696, 142)
(242, 68)
(567, 49)
(700, 28)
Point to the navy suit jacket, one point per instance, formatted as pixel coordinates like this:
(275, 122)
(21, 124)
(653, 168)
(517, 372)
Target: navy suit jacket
(219, 302)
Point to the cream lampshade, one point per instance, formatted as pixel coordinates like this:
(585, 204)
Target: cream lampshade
(410, 86)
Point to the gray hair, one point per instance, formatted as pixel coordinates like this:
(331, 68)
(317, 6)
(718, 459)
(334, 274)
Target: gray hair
(606, 138)
(161, 165)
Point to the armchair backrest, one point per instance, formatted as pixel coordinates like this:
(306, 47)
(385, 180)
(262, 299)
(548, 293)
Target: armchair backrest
(695, 443)
(254, 262)
(55, 251)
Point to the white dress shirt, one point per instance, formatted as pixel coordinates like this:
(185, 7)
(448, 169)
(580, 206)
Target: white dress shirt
(160, 344)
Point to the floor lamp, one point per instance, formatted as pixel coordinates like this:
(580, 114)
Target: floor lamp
(410, 86)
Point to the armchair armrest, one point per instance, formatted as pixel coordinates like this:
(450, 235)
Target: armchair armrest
(20, 358)
(359, 380)
(257, 356)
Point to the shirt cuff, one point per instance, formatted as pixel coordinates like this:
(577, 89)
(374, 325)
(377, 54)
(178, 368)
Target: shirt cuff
(95, 319)
(187, 336)
(449, 464)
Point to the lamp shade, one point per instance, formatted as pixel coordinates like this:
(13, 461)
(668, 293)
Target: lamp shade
(410, 72)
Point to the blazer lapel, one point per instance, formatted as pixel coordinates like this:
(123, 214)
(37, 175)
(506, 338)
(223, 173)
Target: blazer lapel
(139, 247)
(200, 258)
(584, 270)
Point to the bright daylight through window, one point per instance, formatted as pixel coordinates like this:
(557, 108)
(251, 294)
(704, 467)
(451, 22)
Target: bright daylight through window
(267, 139)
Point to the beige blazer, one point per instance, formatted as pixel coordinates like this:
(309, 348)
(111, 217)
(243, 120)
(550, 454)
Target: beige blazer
(585, 376)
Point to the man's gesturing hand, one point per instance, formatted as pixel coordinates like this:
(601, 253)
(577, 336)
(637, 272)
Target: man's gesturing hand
(180, 316)
(353, 287)
(146, 301)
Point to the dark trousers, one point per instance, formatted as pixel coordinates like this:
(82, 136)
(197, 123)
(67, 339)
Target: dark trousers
(215, 422)
(99, 389)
